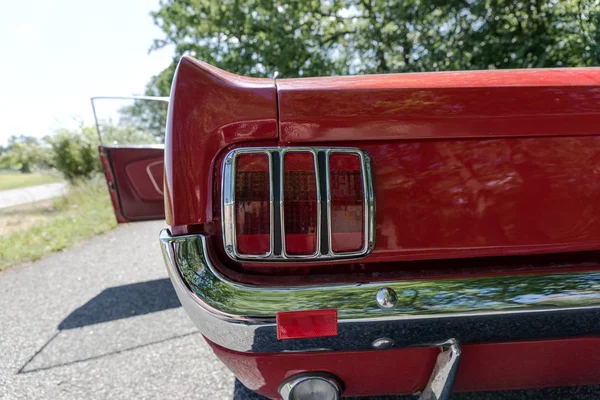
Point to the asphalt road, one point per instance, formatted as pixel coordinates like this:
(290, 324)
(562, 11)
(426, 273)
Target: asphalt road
(31, 194)
(101, 321)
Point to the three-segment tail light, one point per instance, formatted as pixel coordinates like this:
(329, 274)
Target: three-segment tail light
(297, 203)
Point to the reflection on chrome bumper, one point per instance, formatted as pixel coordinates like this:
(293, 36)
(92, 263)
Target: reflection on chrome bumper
(424, 312)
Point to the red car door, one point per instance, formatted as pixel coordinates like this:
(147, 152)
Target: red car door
(134, 172)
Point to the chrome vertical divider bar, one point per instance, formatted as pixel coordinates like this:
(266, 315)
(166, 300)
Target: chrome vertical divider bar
(228, 202)
(271, 201)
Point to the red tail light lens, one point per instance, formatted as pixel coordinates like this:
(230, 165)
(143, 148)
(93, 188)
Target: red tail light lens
(347, 203)
(253, 211)
(272, 209)
(300, 203)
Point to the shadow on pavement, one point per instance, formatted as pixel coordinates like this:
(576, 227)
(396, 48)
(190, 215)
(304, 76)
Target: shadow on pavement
(112, 304)
(123, 302)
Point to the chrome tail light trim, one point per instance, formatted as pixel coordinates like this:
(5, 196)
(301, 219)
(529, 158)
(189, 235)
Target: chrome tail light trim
(282, 153)
(368, 203)
(229, 206)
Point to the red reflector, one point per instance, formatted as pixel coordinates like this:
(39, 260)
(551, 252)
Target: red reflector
(300, 203)
(253, 212)
(347, 203)
(307, 324)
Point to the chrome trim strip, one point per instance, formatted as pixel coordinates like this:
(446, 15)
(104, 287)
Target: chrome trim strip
(134, 146)
(154, 183)
(444, 373)
(473, 310)
(228, 202)
(152, 98)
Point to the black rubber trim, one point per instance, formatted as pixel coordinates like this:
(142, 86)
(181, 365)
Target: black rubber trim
(559, 324)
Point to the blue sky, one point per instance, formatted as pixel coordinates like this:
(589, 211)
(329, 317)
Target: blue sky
(56, 54)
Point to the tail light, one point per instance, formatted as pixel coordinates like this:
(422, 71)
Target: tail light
(347, 208)
(301, 203)
(298, 225)
(252, 202)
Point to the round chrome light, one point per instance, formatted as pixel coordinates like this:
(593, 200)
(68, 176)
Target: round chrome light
(310, 387)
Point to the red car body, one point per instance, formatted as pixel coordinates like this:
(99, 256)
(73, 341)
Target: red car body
(486, 202)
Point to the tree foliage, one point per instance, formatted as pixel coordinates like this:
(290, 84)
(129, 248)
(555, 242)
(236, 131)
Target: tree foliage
(75, 153)
(25, 153)
(145, 120)
(135, 129)
(340, 37)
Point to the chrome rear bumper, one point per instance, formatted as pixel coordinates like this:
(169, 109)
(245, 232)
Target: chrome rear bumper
(411, 313)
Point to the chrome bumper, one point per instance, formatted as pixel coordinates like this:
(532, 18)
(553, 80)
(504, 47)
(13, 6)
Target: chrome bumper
(411, 313)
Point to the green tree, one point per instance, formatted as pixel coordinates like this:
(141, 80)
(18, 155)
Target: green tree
(149, 117)
(134, 131)
(340, 37)
(24, 153)
(75, 152)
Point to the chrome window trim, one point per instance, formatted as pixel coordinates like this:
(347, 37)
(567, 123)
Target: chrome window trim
(229, 208)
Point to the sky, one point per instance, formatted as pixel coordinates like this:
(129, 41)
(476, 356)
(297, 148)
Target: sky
(56, 54)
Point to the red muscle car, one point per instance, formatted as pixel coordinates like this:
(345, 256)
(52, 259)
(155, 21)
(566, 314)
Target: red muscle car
(384, 234)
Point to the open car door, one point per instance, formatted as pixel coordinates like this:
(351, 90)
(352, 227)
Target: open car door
(131, 155)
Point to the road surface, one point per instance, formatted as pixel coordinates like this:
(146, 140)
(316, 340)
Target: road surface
(31, 194)
(101, 321)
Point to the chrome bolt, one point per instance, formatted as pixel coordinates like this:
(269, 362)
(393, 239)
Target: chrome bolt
(228, 161)
(382, 343)
(229, 248)
(386, 298)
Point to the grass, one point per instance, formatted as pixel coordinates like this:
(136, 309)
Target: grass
(15, 179)
(29, 232)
